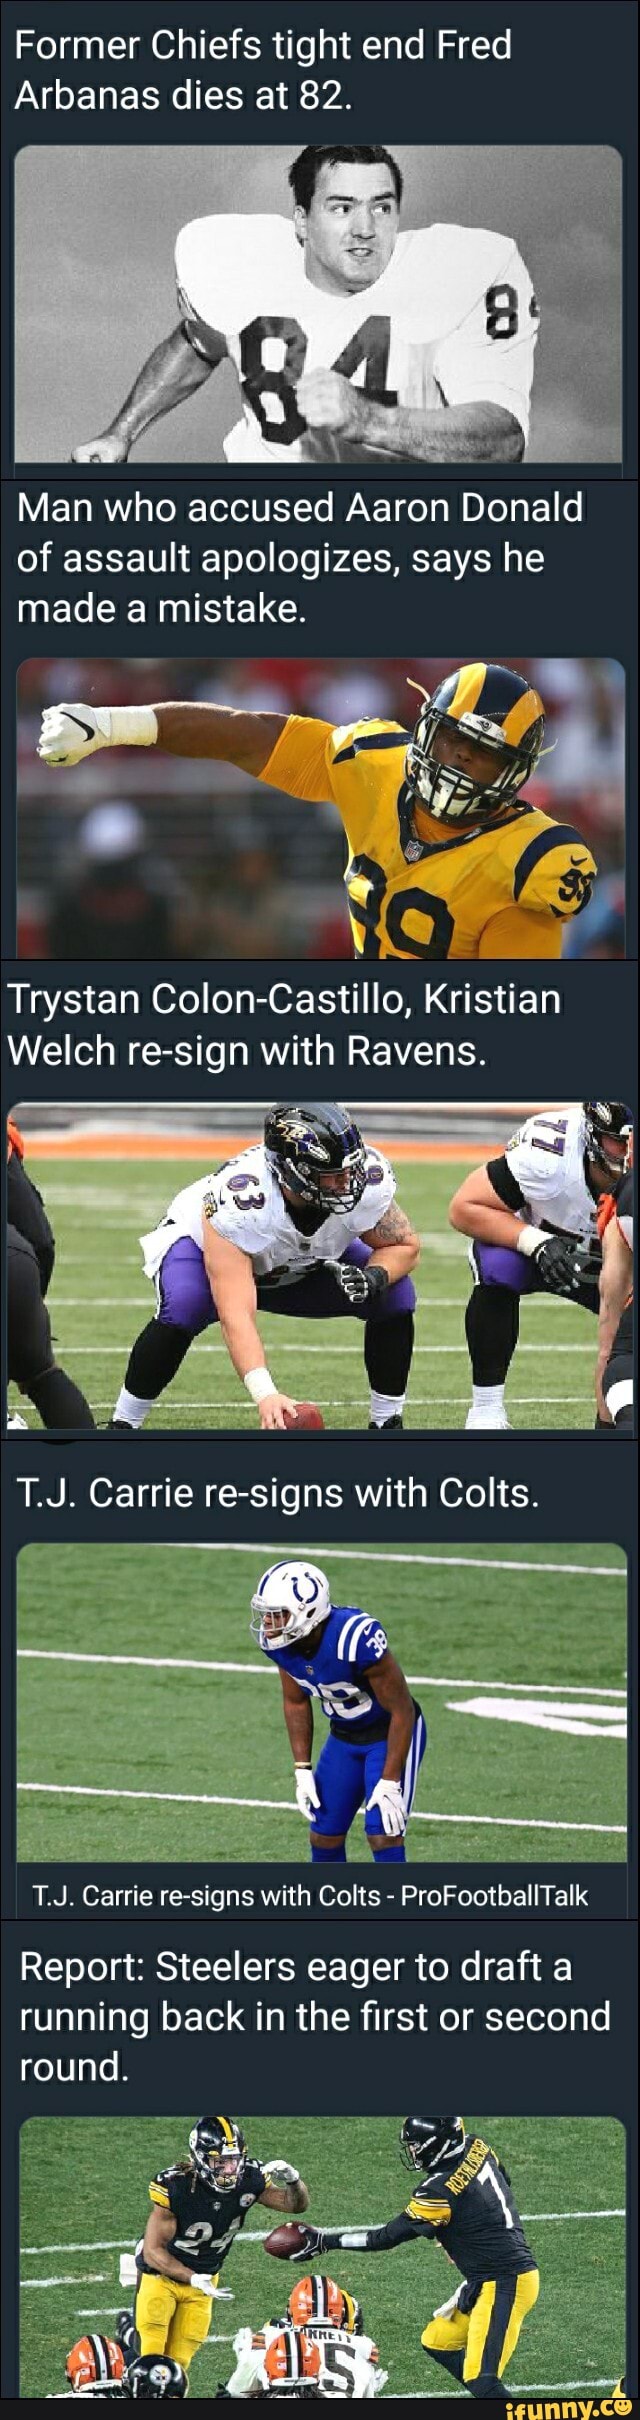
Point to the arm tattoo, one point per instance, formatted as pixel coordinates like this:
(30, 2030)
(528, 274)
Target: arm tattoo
(393, 1228)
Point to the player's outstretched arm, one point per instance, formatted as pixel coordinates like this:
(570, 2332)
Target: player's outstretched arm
(172, 373)
(71, 733)
(233, 1288)
(400, 2230)
(465, 432)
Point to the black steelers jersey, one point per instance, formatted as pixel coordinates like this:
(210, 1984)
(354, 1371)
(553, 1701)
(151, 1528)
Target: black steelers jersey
(206, 2222)
(471, 2211)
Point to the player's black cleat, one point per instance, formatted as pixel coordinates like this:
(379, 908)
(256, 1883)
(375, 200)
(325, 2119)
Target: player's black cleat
(127, 2335)
(382, 1428)
(120, 1428)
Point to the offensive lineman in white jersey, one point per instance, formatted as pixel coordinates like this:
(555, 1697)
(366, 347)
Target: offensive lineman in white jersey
(351, 340)
(305, 1224)
(532, 1215)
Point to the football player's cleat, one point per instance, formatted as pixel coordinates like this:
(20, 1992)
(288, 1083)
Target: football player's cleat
(382, 1428)
(319, 2298)
(427, 2143)
(93, 2361)
(290, 1600)
(609, 1132)
(317, 1154)
(493, 711)
(15, 1421)
(153, 2375)
(218, 2152)
(489, 1420)
(127, 2333)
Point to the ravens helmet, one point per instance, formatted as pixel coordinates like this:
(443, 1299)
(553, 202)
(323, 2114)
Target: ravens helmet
(476, 740)
(319, 2298)
(290, 1600)
(92, 2361)
(429, 2142)
(316, 1154)
(609, 1133)
(153, 2375)
(218, 2151)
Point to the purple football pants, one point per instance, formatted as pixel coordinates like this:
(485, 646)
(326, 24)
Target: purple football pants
(185, 1299)
(497, 1265)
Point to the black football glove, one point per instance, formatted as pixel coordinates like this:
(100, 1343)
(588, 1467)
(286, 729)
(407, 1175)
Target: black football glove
(560, 1265)
(313, 2241)
(359, 1285)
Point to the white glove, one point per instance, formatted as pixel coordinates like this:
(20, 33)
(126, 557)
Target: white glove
(70, 733)
(387, 1796)
(280, 2172)
(307, 1799)
(206, 2285)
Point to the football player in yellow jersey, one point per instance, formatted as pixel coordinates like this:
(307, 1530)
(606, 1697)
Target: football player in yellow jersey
(445, 859)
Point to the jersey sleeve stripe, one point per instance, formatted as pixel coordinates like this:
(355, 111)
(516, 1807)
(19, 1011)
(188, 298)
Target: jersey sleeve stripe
(377, 739)
(558, 836)
(437, 2214)
(351, 1635)
(157, 2194)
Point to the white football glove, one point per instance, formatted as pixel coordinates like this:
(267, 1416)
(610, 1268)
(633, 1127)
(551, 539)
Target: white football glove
(307, 1798)
(70, 733)
(280, 2172)
(206, 2285)
(387, 1797)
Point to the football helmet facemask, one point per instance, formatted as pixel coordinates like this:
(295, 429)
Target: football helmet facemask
(317, 1154)
(290, 1600)
(153, 2375)
(485, 709)
(218, 2152)
(427, 2143)
(609, 1134)
(319, 2298)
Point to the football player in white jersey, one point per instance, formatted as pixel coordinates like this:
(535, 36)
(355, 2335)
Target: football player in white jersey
(305, 1224)
(318, 2314)
(532, 1215)
(352, 341)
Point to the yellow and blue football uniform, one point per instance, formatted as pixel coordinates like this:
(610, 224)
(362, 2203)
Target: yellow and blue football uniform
(498, 888)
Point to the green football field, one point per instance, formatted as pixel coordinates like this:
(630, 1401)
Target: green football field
(100, 1299)
(84, 2201)
(150, 1724)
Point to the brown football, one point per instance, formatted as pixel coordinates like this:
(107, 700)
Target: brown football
(283, 2241)
(309, 1416)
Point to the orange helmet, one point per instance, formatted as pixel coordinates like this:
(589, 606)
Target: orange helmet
(92, 2359)
(319, 2298)
(292, 2362)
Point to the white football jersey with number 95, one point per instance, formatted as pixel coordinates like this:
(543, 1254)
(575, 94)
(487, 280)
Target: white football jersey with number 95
(452, 320)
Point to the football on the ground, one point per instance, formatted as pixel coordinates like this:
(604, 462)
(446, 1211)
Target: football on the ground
(309, 1416)
(284, 2241)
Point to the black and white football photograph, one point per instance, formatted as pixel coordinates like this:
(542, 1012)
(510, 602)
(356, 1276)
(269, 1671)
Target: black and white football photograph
(345, 303)
(415, 809)
(309, 1265)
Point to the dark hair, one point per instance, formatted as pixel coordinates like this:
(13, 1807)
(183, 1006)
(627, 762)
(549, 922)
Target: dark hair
(303, 176)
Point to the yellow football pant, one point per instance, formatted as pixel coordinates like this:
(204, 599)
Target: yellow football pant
(489, 2333)
(171, 2318)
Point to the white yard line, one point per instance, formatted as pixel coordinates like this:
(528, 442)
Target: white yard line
(199, 1798)
(257, 2235)
(386, 1554)
(346, 1351)
(417, 1680)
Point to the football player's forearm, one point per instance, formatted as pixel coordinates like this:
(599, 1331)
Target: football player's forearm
(171, 374)
(241, 1337)
(397, 1259)
(399, 1739)
(464, 432)
(299, 1722)
(370, 2239)
(229, 734)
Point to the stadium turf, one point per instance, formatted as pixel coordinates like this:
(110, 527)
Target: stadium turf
(99, 1300)
(537, 1631)
(84, 2199)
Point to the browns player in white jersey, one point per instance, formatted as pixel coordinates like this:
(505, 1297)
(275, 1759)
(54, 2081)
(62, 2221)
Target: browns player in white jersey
(351, 340)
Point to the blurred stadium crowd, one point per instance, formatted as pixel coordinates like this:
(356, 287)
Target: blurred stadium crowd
(150, 856)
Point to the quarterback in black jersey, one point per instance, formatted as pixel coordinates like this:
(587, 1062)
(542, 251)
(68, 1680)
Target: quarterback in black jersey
(464, 2201)
(198, 2208)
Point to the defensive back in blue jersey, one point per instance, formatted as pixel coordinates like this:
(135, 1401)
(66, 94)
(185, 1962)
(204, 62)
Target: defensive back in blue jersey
(350, 1647)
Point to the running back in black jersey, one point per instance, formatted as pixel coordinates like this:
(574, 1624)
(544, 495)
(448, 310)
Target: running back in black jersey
(206, 2222)
(471, 2211)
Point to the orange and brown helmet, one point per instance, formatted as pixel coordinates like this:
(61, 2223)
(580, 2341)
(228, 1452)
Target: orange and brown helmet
(319, 2298)
(292, 2363)
(94, 2360)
